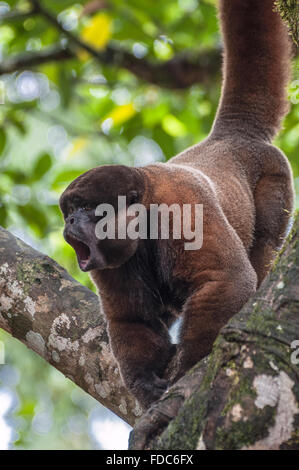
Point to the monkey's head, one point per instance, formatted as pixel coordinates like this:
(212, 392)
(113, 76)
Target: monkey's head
(80, 206)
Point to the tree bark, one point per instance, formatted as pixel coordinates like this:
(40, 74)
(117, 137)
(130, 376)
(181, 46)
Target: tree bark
(55, 316)
(246, 394)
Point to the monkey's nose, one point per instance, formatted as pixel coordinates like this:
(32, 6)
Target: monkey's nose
(72, 220)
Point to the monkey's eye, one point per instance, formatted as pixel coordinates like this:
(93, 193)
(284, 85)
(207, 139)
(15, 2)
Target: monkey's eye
(70, 210)
(87, 207)
(133, 197)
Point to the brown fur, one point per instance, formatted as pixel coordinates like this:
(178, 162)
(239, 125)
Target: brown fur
(245, 186)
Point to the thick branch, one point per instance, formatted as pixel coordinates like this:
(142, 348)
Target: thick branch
(42, 306)
(246, 396)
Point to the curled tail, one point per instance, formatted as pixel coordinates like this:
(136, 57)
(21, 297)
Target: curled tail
(257, 58)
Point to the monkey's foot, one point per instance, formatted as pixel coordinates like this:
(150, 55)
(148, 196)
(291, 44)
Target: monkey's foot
(154, 421)
(148, 390)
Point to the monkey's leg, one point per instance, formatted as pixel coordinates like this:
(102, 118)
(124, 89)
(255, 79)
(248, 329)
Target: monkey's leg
(274, 204)
(206, 312)
(142, 352)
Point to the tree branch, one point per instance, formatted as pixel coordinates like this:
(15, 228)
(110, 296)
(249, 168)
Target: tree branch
(31, 59)
(246, 395)
(180, 72)
(17, 15)
(42, 306)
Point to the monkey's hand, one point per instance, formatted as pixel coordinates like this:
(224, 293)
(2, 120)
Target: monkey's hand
(148, 388)
(142, 353)
(177, 366)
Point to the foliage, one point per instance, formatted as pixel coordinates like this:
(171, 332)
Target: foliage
(48, 411)
(289, 10)
(64, 116)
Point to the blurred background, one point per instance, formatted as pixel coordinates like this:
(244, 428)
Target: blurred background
(83, 84)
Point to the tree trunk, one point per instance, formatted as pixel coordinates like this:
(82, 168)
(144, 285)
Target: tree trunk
(244, 396)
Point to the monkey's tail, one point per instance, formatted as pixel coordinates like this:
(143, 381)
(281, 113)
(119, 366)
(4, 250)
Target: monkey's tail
(257, 59)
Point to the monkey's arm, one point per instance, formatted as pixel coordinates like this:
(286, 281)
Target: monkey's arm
(142, 353)
(140, 341)
(223, 281)
(205, 313)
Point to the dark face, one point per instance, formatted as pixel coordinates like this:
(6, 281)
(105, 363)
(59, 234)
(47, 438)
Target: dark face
(78, 203)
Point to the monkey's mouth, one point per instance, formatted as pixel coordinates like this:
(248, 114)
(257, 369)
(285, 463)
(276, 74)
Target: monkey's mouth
(82, 251)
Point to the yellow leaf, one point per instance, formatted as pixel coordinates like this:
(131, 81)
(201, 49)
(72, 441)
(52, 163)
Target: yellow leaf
(173, 126)
(78, 144)
(121, 114)
(96, 33)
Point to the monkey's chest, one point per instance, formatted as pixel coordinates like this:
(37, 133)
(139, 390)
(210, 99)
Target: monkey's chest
(173, 296)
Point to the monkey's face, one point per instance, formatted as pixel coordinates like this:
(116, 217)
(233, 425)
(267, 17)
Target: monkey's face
(80, 205)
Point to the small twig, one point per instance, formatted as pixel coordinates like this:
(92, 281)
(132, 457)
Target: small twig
(16, 15)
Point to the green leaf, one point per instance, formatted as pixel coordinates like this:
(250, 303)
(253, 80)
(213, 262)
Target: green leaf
(27, 409)
(17, 119)
(173, 126)
(65, 86)
(153, 115)
(3, 216)
(42, 166)
(34, 217)
(2, 140)
(66, 177)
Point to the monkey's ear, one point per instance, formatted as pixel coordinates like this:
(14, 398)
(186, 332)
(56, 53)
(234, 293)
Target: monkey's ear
(63, 206)
(133, 197)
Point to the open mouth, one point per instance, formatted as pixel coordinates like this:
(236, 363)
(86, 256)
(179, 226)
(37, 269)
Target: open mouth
(82, 251)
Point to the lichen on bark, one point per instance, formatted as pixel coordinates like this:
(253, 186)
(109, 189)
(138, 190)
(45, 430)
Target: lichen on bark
(289, 10)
